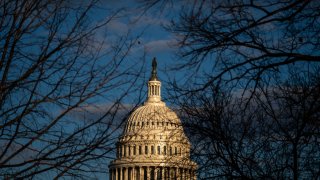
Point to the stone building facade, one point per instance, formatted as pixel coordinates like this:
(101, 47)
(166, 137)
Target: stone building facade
(153, 145)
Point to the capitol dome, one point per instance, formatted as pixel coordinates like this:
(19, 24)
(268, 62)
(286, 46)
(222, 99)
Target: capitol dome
(152, 116)
(153, 144)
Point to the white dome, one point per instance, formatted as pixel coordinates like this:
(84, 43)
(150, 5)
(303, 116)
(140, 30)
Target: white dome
(153, 144)
(152, 116)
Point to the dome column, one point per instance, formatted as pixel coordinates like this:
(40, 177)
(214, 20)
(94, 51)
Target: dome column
(162, 172)
(133, 173)
(188, 174)
(154, 168)
(116, 172)
(183, 174)
(148, 172)
(141, 172)
(179, 176)
(120, 173)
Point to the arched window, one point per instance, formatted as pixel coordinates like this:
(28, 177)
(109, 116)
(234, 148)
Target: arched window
(159, 151)
(140, 150)
(152, 149)
(146, 150)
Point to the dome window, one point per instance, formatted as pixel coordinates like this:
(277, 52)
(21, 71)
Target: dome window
(140, 150)
(146, 150)
(152, 149)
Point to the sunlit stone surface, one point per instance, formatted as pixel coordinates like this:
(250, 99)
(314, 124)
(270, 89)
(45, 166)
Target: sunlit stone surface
(153, 144)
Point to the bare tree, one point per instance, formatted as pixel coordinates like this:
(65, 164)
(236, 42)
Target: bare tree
(244, 40)
(291, 111)
(217, 133)
(54, 66)
(276, 136)
(245, 121)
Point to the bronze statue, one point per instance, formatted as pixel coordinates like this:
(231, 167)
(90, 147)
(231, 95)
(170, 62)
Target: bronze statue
(154, 70)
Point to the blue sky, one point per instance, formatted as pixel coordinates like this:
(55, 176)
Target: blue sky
(149, 24)
(154, 40)
(146, 28)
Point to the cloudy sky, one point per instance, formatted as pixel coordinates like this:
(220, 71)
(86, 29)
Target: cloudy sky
(154, 40)
(134, 19)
